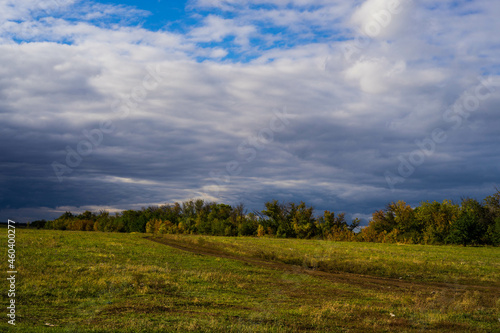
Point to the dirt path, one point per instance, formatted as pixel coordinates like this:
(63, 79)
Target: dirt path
(365, 281)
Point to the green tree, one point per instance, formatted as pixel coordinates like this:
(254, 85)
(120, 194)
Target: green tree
(277, 219)
(470, 227)
(465, 230)
(436, 219)
(303, 220)
(492, 204)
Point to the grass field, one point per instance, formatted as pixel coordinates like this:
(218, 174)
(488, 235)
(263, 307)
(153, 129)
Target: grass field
(450, 264)
(114, 282)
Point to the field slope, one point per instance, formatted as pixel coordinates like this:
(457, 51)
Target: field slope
(111, 282)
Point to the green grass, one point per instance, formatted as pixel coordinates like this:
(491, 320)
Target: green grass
(111, 282)
(448, 264)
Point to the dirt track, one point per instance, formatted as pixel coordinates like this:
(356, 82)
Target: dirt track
(361, 280)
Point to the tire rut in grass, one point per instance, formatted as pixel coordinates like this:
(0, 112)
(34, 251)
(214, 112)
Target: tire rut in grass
(365, 281)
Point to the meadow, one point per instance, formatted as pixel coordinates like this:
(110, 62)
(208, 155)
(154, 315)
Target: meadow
(72, 281)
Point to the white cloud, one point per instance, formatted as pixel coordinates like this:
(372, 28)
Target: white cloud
(215, 29)
(382, 19)
(381, 75)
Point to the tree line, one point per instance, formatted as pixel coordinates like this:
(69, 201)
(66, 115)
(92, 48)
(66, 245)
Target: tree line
(469, 222)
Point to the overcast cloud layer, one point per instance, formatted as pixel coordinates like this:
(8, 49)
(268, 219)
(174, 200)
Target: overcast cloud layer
(346, 105)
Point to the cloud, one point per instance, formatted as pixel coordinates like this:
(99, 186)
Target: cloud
(215, 29)
(383, 19)
(194, 113)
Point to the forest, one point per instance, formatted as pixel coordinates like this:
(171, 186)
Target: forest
(470, 222)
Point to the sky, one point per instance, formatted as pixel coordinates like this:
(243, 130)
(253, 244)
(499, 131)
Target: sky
(346, 105)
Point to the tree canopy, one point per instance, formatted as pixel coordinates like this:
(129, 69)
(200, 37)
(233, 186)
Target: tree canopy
(469, 223)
